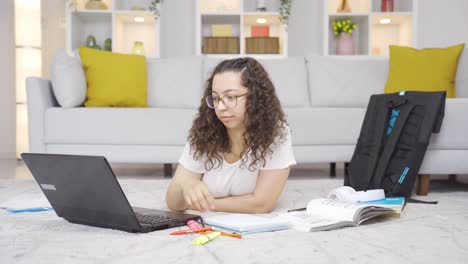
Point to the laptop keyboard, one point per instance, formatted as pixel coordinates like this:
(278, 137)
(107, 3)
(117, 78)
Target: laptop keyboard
(153, 219)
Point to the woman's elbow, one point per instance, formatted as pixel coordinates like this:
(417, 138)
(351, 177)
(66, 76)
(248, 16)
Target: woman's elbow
(264, 207)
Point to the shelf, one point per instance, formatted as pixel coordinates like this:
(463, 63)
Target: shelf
(118, 23)
(220, 6)
(91, 16)
(129, 5)
(80, 5)
(240, 21)
(127, 32)
(84, 24)
(372, 36)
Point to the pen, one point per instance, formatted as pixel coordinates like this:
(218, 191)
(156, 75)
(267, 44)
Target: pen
(298, 209)
(190, 231)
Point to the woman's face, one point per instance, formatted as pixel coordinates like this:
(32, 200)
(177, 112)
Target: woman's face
(230, 108)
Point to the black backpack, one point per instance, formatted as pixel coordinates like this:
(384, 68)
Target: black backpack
(393, 140)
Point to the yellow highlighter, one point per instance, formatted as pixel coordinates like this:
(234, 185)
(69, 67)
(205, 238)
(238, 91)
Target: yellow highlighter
(201, 240)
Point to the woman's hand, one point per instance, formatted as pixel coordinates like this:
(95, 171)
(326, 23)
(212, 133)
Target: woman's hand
(198, 197)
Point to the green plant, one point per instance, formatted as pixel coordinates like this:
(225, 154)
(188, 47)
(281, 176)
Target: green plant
(345, 25)
(285, 10)
(155, 8)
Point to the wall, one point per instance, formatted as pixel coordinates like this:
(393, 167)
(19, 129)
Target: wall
(442, 23)
(7, 80)
(53, 32)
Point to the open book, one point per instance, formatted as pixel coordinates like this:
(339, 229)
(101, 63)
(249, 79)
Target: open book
(395, 203)
(326, 214)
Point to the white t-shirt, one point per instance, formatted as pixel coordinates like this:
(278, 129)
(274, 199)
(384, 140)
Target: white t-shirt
(230, 179)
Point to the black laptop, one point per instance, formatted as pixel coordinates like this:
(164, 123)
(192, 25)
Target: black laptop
(84, 190)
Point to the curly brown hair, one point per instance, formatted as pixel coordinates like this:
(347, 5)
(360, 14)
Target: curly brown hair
(265, 121)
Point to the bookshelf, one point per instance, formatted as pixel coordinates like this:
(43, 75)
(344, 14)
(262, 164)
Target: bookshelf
(376, 29)
(230, 28)
(123, 21)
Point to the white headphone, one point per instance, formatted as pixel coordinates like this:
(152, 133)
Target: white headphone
(348, 194)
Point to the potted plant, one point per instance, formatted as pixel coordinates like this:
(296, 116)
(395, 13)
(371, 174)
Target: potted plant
(285, 11)
(343, 29)
(155, 7)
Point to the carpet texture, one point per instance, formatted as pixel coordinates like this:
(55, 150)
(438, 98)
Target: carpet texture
(424, 233)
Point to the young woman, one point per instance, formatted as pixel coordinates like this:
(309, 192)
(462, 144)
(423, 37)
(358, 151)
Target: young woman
(239, 150)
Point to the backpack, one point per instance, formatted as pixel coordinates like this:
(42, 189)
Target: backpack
(394, 137)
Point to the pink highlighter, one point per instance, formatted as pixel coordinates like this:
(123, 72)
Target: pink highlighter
(192, 224)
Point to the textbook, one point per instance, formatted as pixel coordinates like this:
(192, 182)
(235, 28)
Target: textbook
(395, 203)
(327, 214)
(245, 223)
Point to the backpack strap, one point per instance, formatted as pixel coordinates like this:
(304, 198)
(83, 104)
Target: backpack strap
(405, 110)
(411, 200)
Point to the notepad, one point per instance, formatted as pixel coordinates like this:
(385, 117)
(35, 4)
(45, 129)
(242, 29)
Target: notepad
(245, 223)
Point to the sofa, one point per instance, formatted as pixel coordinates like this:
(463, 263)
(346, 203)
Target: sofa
(324, 98)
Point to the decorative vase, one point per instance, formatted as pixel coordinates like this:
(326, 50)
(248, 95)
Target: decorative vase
(261, 5)
(90, 41)
(344, 7)
(344, 44)
(108, 44)
(138, 48)
(95, 4)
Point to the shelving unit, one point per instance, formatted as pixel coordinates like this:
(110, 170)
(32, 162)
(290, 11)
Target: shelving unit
(372, 37)
(117, 22)
(237, 18)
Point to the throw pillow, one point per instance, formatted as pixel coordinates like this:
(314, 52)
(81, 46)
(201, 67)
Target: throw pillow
(432, 69)
(68, 80)
(114, 79)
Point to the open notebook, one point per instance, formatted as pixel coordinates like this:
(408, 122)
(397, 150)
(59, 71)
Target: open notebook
(245, 223)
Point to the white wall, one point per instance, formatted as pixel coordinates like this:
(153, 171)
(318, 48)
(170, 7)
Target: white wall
(305, 29)
(442, 23)
(7, 80)
(53, 32)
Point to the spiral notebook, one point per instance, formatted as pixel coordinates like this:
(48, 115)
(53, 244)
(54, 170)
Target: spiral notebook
(245, 223)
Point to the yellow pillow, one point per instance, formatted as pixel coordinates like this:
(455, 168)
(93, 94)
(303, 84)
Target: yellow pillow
(431, 69)
(114, 79)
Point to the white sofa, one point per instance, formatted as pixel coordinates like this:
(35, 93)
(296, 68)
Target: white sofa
(324, 98)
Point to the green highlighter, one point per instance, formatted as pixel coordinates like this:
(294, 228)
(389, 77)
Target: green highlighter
(201, 240)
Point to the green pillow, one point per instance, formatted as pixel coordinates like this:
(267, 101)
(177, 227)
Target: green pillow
(432, 69)
(114, 79)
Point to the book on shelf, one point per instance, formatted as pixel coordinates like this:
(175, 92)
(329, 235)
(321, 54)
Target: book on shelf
(327, 214)
(260, 31)
(245, 223)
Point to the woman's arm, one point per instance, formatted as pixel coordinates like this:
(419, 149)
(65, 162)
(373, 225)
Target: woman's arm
(270, 184)
(187, 191)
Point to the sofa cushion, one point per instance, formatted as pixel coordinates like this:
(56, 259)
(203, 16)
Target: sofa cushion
(289, 76)
(114, 79)
(345, 82)
(431, 69)
(119, 126)
(452, 134)
(175, 82)
(325, 126)
(461, 81)
(68, 80)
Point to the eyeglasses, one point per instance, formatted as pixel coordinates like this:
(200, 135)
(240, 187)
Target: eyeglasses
(229, 100)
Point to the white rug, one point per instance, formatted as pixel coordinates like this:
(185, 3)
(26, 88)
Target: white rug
(423, 234)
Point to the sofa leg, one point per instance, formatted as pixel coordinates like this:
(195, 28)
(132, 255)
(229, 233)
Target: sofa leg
(167, 169)
(333, 169)
(452, 178)
(346, 169)
(423, 184)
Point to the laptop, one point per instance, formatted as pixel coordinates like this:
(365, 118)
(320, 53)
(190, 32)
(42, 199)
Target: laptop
(84, 190)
